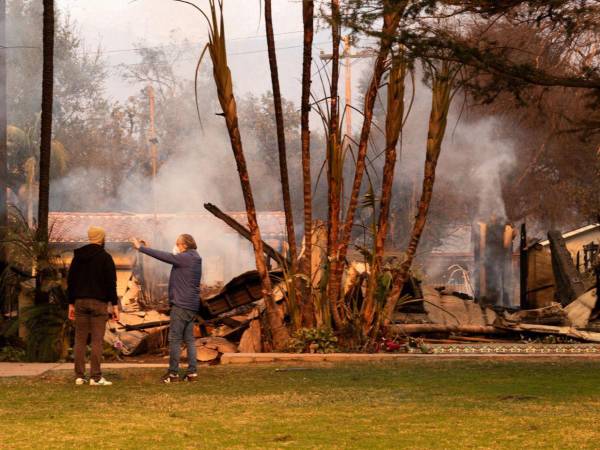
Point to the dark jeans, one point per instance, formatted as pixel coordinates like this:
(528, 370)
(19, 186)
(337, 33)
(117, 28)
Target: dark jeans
(90, 319)
(181, 329)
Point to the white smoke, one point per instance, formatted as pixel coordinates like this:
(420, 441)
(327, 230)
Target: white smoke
(475, 161)
(201, 171)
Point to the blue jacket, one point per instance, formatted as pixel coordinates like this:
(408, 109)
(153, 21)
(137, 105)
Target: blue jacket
(184, 281)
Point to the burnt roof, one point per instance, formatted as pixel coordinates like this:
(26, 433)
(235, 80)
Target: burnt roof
(71, 227)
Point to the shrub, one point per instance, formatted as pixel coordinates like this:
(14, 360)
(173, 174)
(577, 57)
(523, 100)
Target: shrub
(314, 340)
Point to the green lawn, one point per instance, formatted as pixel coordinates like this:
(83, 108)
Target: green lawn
(409, 404)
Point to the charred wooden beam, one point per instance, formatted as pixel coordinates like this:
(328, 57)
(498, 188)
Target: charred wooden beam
(143, 326)
(553, 314)
(482, 286)
(493, 263)
(245, 233)
(523, 268)
(569, 284)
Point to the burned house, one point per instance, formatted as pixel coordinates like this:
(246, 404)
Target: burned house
(477, 260)
(225, 254)
(582, 244)
(484, 261)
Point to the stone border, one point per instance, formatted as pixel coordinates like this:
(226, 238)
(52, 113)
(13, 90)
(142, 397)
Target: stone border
(515, 348)
(248, 358)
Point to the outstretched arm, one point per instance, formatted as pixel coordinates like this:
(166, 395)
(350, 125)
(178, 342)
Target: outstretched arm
(167, 257)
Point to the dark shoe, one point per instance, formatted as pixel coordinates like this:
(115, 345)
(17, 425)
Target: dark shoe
(170, 378)
(191, 377)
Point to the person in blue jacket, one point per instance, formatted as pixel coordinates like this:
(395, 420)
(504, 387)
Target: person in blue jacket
(184, 299)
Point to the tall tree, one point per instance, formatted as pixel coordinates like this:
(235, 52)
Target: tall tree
(442, 87)
(283, 170)
(393, 10)
(222, 76)
(334, 164)
(3, 148)
(307, 20)
(46, 121)
(393, 127)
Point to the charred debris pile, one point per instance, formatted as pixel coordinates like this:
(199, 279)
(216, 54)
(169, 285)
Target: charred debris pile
(548, 298)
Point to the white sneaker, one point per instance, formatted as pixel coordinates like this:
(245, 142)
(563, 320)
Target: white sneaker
(79, 381)
(101, 382)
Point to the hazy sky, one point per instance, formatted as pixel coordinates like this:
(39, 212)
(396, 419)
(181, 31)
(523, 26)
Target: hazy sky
(118, 25)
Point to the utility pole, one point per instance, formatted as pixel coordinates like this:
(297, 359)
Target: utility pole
(153, 149)
(348, 55)
(151, 265)
(152, 133)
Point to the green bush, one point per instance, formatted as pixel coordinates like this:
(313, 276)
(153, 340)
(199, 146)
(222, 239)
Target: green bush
(12, 354)
(39, 276)
(48, 332)
(314, 340)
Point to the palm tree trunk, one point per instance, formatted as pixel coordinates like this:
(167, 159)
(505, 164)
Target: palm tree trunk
(307, 19)
(440, 104)
(278, 330)
(308, 16)
(393, 127)
(3, 149)
(390, 24)
(285, 184)
(334, 163)
(294, 309)
(41, 297)
(222, 76)
(46, 122)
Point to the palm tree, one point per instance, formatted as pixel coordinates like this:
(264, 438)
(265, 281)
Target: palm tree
(307, 18)
(41, 297)
(283, 171)
(339, 245)
(334, 164)
(222, 76)
(46, 121)
(393, 127)
(3, 149)
(443, 90)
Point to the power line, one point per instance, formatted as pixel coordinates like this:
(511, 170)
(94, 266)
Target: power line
(256, 36)
(153, 47)
(8, 47)
(250, 52)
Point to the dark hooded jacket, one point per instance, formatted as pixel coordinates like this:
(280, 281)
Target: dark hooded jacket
(92, 275)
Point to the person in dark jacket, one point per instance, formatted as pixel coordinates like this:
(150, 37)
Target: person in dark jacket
(184, 298)
(92, 285)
